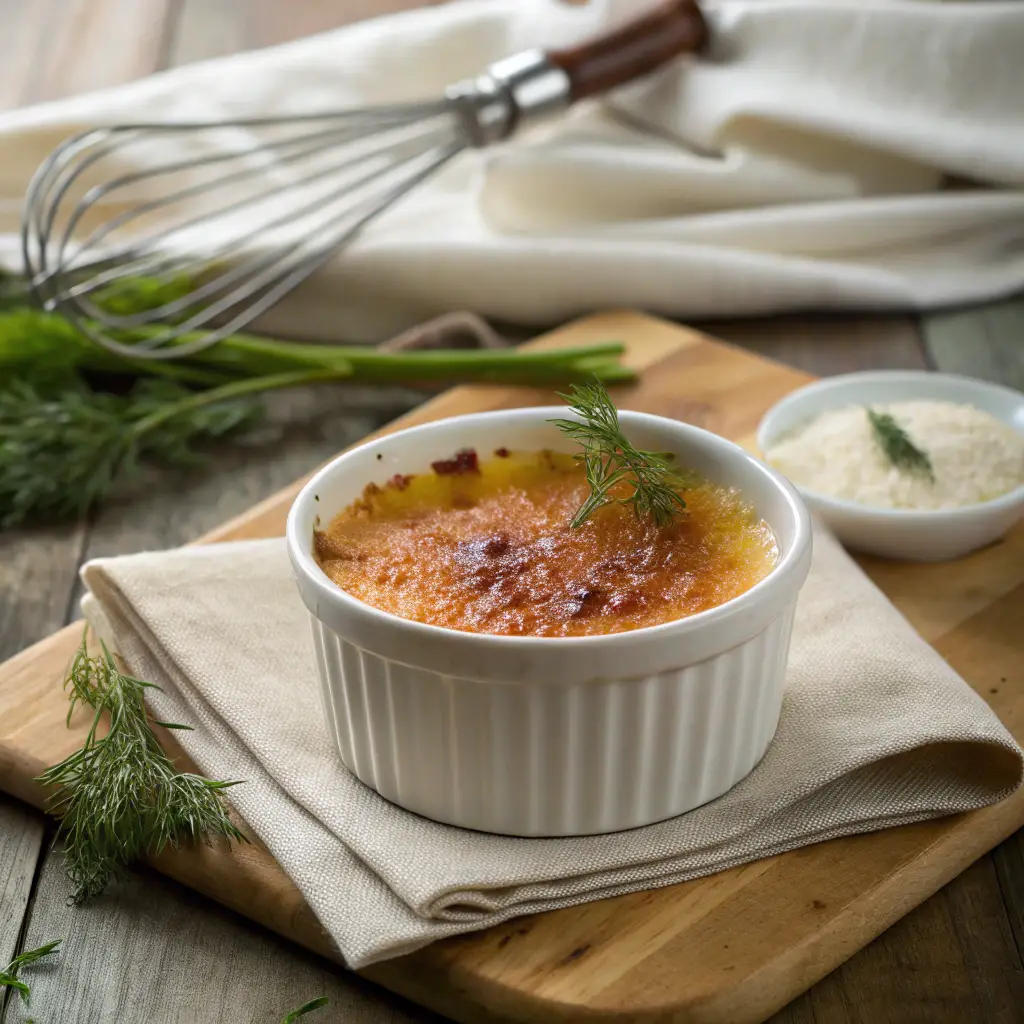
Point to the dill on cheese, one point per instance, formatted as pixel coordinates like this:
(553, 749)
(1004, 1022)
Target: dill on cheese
(973, 457)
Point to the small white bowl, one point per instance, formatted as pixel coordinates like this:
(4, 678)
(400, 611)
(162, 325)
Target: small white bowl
(551, 736)
(929, 535)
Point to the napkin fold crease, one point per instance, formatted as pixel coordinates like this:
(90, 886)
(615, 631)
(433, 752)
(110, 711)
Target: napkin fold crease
(876, 730)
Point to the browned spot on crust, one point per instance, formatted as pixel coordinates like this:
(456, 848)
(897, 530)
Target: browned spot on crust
(463, 461)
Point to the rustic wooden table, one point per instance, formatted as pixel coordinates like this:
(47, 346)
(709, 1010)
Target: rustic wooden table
(152, 951)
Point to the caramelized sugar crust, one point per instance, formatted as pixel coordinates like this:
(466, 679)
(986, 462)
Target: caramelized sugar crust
(485, 546)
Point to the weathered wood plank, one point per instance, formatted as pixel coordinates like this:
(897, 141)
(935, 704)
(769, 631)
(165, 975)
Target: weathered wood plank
(917, 975)
(153, 951)
(828, 345)
(993, 961)
(986, 341)
(1008, 859)
(952, 959)
(801, 1011)
(37, 575)
(21, 838)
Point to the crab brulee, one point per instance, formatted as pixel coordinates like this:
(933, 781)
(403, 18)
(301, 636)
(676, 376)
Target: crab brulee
(490, 546)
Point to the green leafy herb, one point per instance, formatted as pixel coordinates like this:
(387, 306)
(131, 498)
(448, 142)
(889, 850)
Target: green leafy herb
(9, 976)
(119, 798)
(65, 446)
(67, 441)
(610, 459)
(897, 446)
(301, 1011)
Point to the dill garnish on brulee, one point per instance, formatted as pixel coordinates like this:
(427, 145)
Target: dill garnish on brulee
(539, 543)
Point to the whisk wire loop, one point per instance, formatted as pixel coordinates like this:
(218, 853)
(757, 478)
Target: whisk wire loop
(234, 214)
(128, 257)
(290, 201)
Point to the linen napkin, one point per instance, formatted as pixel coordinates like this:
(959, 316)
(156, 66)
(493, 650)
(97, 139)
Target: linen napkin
(876, 730)
(807, 160)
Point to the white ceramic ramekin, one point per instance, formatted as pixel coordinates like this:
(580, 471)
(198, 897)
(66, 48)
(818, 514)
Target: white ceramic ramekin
(926, 535)
(540, 736)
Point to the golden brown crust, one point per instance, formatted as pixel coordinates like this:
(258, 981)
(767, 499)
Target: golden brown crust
(490, 550)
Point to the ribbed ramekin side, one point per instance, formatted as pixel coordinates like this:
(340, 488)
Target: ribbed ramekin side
(548, 759)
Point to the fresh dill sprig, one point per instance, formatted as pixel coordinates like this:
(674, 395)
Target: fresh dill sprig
(65, 446)
(119, 799)
(9, 975)
(610, 459)
(897, 447)
(301, 1011)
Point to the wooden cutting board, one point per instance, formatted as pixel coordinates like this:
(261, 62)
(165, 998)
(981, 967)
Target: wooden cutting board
(728, 949)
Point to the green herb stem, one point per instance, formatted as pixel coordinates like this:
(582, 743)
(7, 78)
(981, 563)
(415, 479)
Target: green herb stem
(365, 363)
(30, 338)
(9, 975)
(47, 345)
(301, 1011)
(67, 442)
(227, 392)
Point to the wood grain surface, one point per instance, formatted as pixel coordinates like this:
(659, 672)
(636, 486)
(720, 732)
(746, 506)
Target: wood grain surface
(731, 948)
(975, 342)
(956, 958)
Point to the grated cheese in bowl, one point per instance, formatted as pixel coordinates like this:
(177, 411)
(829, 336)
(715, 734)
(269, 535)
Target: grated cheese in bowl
(974, 456)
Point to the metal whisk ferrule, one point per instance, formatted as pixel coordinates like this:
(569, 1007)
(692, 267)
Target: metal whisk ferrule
(510, 94)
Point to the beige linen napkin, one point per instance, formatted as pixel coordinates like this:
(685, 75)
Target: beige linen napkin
(876, 730)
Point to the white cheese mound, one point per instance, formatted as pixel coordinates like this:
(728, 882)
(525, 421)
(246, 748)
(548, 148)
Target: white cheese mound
(974, 456)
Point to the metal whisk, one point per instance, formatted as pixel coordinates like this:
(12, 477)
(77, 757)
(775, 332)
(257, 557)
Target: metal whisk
(228, 217)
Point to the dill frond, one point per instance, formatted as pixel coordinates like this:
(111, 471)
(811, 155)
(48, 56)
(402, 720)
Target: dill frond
(610, 459)
(64, 446)
(119, 798)
(897, 447)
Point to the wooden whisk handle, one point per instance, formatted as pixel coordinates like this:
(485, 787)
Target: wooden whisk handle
(632, 49)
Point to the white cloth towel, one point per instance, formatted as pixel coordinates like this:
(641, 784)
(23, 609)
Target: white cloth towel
(876, 730)
(824, 153)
